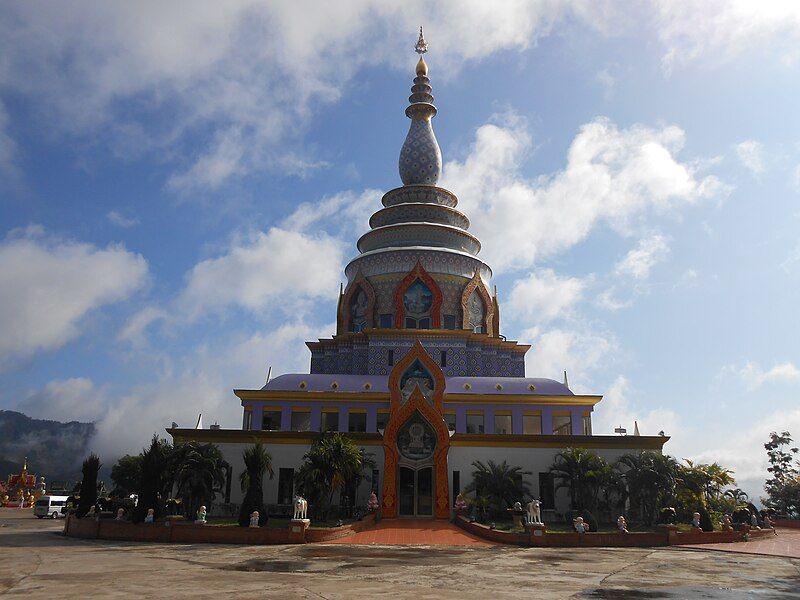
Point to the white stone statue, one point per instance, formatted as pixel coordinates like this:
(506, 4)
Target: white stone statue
(254, 519)
(151, 513)
(300, 507)
(201, 516)
(534, 512)
(580, 525)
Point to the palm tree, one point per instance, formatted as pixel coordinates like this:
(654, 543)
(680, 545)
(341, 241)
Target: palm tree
(333, 463)
(88, 485)
(738, 496)
(257, 461)
(650, 477)
(502, 485)
(580, 471)
(199, 475)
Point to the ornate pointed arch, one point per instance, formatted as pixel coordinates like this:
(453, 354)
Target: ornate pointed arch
(418, 272)
(476, 285)
(344, 317)
(399, 413)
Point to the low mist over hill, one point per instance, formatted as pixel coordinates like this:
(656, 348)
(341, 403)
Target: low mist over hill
(54, 449)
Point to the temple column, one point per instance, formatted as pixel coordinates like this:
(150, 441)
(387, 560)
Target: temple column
(258, 416)
(577, 420)
(461, 419)
(488, 420)
(316, 412)
(516, 419)
(547, 421)
(372, 418)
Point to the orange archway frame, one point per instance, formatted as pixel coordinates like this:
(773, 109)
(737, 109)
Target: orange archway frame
(399, 413)
(359, 282)
(476, 283)
(418, 272)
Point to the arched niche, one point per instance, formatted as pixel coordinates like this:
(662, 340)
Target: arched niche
(477, 307)
(403, 413)
(418, 301)
(357, 306)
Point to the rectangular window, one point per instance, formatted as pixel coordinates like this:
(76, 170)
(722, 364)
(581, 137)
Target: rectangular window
(411, 323)
(450, 419)
(443, 358)
(562, 425)
(390, 357)
(456, 485)
(301, 420)
(532, 424)
(383, 419)
(449, 321)
(285, 485)
(424, 323)
(587, 425)
(547, 490)
(356, 422)
(329, 420)
(271, 420)
(386, 321)
(376, 481)
(478, 329)
(247, 421)
(475, 422)
(502, 424)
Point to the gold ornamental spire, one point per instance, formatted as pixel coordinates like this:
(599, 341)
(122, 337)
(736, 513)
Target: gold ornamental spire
(421, 48)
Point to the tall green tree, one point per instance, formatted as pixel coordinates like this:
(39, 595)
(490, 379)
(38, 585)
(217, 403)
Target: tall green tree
(501, 484)
(651, 478)
(90, 468)
(199, 475)
(783, 485)
(333, 463)
(581, 472)
(155, 478)
(126, 475)
(257, 462)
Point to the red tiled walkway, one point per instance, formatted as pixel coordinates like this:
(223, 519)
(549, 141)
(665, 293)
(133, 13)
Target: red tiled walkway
(414, 532)
(786, 543)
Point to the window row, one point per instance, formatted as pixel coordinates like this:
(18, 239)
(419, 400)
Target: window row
(356, 421)
(386, 321)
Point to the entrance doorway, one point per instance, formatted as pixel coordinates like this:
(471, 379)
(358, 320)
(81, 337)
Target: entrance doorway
(415, 492)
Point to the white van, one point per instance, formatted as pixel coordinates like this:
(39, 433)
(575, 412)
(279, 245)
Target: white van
(50, 506)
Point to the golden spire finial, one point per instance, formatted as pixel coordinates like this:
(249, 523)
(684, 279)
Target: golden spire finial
(421, 48)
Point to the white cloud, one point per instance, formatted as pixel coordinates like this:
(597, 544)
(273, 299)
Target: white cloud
(262, 272)
(9, 169)
(238, 79)
(612, 176)
(543, 296)
(74, 399)
(638, 262)
(201, 382)
(719, 30)
(617, 409)
(751, 155)
(753, 376)
(48, 285)
(347, 212)
(578, 350)
(117, 218)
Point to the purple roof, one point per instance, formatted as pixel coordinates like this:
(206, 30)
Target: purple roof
(323, 382)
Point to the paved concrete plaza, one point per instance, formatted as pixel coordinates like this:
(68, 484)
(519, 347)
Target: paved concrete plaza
(37, 562)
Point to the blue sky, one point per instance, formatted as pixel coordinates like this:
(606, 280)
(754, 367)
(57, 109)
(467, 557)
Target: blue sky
(181, 185)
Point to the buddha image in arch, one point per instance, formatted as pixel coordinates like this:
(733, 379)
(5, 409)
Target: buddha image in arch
(416, 377)
(358, 310)
(476, 311)
(417, 300)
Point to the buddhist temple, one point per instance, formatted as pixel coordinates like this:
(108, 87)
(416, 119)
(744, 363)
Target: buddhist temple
(418, 371)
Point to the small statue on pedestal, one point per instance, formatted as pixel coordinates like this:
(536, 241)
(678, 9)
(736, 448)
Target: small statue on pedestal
(120, 514)
(622, 525)
(201, 516)
(727, 523)
(254, 519)
(580, 525)
(151, 514)
(460, 505)
(696, 521)
(534, 509)
(300, 507)
(373, 502)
